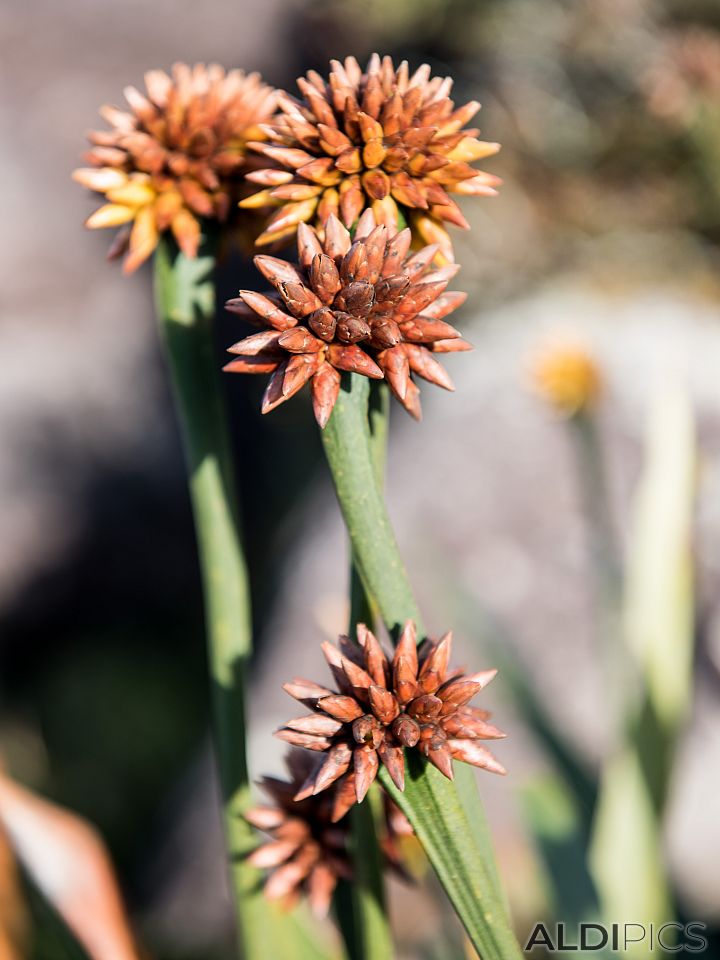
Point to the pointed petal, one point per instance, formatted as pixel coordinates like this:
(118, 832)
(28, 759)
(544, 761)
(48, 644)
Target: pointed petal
(470, 751)
(306, 740)
(325, 390)
(316, 724)
(394, 760)
(366, 768)
(354, 360)
(342, 707)
(306, 691)
(336, 764)
(383, 704)
(407, 645)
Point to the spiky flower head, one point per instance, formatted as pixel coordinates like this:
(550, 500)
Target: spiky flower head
(567, 377)
(178, 155)
(308, 850)
(361, 305)
(382, 138)
(382, 706)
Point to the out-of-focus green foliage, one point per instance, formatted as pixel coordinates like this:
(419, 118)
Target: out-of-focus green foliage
(627, 845)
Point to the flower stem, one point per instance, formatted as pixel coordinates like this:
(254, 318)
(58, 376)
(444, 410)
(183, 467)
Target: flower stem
(185, 302)
(458, 851)
(368, 937)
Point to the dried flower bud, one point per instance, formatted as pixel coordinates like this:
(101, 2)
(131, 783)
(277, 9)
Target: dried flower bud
(308, 850)
(177, 156)
(364, 307)
(415, 701)
(382, 139)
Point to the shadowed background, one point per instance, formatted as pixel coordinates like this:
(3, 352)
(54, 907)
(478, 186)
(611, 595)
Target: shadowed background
(607, 227)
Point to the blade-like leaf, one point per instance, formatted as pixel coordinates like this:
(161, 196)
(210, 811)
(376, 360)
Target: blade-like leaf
(559, 829)
(430, 802)
(437, 815)
(627, 843)
(659, 594)
(184, 298)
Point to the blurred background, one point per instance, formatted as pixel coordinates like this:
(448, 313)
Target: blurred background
(607, 231)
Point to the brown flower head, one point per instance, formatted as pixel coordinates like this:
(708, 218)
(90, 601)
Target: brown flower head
(308, 851)
(178, 155)
(382, 706)
(383, 138)
(359, 305)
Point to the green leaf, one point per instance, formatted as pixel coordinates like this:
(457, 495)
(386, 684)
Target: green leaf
(659, 592)
(626, 853)
(560, 831)
(454, 848)
(184, 297)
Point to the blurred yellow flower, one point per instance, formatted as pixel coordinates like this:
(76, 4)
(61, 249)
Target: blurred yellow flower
(567, 377)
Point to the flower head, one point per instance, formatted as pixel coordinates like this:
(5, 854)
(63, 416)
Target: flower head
(178, 155)
(308, 851)
(361, 305)
(382, 138)
(567, 377)
(381, 707)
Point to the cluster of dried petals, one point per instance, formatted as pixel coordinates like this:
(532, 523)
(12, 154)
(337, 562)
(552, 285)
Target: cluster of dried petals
(308, 850)
(567, 377)
(381, 138)
(361, 305)
(381, 707)
(178, 155)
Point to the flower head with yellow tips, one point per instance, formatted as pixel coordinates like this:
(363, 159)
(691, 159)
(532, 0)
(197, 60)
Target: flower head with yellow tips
(177, 156)
(382, 138)
(567, 377)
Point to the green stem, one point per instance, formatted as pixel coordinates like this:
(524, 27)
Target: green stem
(185, 303)
(362, 607)
(441, 820)
(363, 916)
(371, 925)
(376, 555)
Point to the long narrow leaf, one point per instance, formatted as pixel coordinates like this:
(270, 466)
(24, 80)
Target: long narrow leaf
(627, 843)
(430, 802)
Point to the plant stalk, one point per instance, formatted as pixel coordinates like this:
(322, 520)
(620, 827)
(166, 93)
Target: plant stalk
(362, 909)
(440, 819)
(185, 305)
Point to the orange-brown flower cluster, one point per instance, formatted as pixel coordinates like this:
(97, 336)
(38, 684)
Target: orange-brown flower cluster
(382, 138)
(177, 156)
(361, 305)
(308, 851)
(381, 707)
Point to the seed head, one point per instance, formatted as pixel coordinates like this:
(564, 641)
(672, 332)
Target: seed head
(382, 706)
(352, 304)
(383, 139)
(176, 157)
(308, 851)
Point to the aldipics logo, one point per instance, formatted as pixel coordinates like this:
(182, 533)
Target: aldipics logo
(670, 937)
